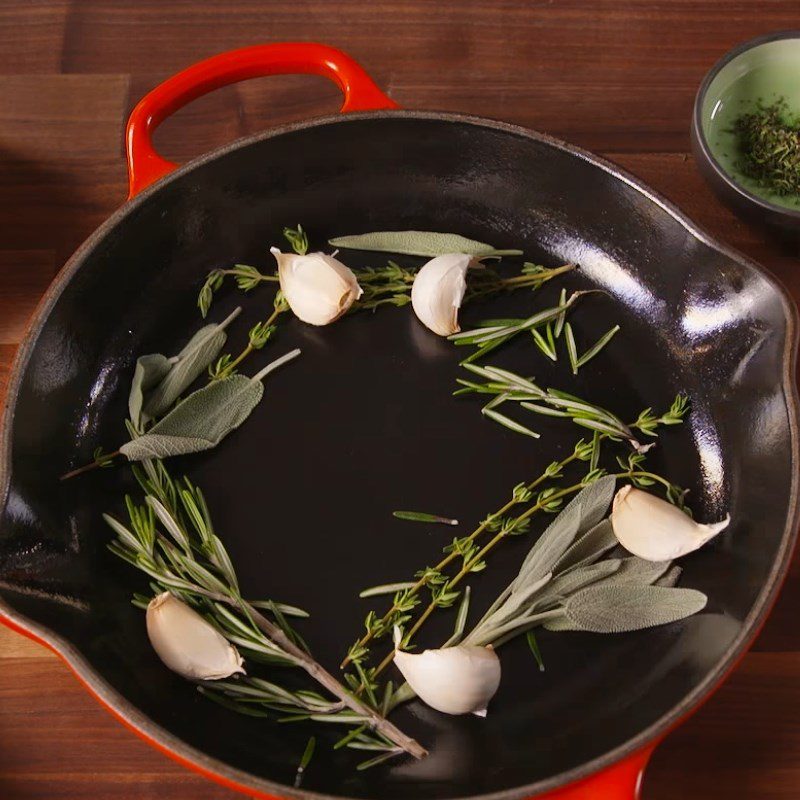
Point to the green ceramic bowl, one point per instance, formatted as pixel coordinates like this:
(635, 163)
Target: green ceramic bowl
(762, 70)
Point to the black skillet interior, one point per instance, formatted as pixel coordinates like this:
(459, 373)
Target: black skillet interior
(364, 423)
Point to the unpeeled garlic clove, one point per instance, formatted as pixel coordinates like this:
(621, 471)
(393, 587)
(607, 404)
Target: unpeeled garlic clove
(438, 290)
(318, 288)
(656, 530)
(187, 643)
(453, 680)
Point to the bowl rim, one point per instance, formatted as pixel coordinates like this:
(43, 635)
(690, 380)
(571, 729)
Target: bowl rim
(697, 123)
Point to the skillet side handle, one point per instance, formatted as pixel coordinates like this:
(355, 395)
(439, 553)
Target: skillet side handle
(145, 165)
(621, 781)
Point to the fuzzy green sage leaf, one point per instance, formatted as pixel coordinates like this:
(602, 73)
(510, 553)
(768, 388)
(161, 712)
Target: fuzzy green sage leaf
(188, 365)
(150, 371)
(617, 609)
(204, 418)
(418, 243)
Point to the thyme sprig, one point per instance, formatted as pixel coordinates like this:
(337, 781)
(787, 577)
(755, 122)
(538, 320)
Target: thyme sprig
(487, 281)
(257, 338)
(189, 560)
(471, 558)
(389, 285)
(247, 278)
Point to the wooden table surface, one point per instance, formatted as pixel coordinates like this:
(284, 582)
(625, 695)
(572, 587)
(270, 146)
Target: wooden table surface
(615, 77)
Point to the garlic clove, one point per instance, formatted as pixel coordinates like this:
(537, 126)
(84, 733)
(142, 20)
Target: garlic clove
(318, 288)
(438, 290)
(656, 530)
(453, 680)
(187, 643)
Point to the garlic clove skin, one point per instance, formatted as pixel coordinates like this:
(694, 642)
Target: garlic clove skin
(318, 288)
(187, 643)
(656, 530)
(453, 680)
(438, 290)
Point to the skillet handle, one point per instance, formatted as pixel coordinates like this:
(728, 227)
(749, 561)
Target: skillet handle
(145, 165)
(621, 781)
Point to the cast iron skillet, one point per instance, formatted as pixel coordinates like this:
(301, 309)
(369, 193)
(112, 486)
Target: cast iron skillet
(364, 423)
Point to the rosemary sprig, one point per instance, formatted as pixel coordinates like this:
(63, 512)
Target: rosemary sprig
(190, 561)
(490, 338)
(507, 386)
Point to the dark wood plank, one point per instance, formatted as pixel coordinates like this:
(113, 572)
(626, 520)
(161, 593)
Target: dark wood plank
(607, 75)
(55, 205)
(24, 275)
(62, 117)
(32, 36)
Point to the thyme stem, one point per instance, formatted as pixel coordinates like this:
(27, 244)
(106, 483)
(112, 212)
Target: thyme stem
(96, 464)
(231, 366)
(448, 559)
(492, 543)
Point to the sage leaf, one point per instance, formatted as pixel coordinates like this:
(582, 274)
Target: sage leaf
(188, 365)
(576, 579)
(635, 571)
(150, 370)
(586, 549)
(585, 510)
(617, 609)
(418, 243)
(561, 624)
(204, 418)
(670, 578)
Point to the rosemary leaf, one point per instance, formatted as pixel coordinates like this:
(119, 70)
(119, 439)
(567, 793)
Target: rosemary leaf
(545, 410)
(561, 318)
(419, 516)
(572, 349)
(373, 762)
(544, 345)
(287, 610)
(534, 646)
(387, 588)
(305, 760)
(509, 423)
(597, 347)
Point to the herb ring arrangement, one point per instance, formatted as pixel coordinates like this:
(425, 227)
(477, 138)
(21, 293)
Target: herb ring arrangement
(604, 564)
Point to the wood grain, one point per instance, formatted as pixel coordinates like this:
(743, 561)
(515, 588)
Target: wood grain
(616, 77)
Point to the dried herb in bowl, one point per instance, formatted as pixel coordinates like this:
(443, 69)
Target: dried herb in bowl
(769, 140)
